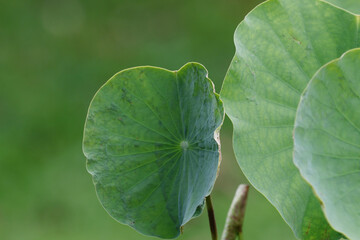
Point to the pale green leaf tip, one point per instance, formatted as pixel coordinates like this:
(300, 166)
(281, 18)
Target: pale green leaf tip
(350, 6)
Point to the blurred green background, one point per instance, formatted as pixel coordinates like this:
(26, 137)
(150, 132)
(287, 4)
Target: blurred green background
(54, 55)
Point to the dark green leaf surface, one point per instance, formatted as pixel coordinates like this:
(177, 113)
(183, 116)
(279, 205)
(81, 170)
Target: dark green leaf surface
(327, 141)
(352, 6)
(279, 47)
(151, 140)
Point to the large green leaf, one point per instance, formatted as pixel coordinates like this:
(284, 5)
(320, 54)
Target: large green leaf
(279, 47)
(151, 140)
(327, 140)
(353, 6)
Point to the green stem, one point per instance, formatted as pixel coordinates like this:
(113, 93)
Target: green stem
(235, 217)
(211, 216)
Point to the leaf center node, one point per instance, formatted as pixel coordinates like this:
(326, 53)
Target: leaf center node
(184, 144)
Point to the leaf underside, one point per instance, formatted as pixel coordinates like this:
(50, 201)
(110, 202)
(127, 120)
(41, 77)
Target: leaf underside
(327, 141)
(279, 47)
(150, 145)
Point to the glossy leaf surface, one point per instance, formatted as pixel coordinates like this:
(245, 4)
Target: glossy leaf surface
(151, 140)
(279, 47)
(327, 141)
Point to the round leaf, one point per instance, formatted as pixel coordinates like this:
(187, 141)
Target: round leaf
(327, 140)
(279, 47)
(151, 143)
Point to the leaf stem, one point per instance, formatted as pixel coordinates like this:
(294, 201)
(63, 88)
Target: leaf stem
(235, 217)
(211, 216)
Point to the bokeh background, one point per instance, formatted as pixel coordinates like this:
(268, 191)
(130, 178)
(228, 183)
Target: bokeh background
(54, 55)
